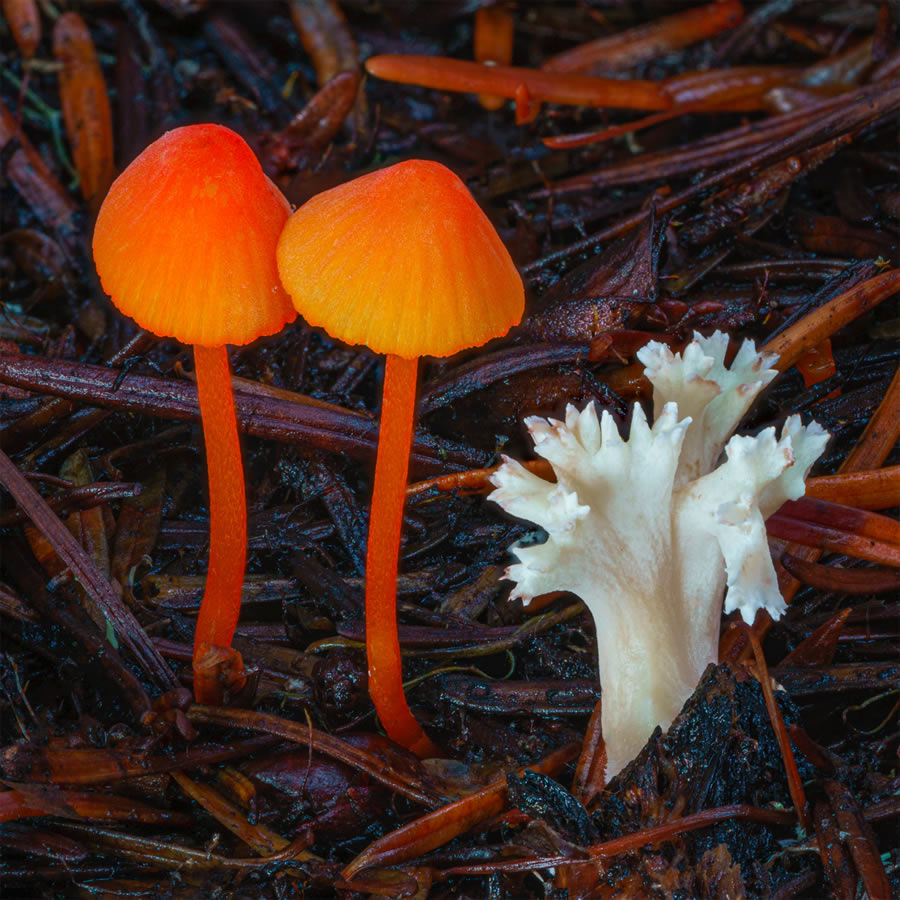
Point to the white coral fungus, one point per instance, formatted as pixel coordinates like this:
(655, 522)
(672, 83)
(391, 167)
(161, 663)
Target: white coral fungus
(649, 532)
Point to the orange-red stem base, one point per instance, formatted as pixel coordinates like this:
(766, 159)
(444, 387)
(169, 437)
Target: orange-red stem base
(385, 525)
(221, 605)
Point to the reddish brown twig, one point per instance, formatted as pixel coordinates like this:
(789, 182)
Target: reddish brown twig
(824, 321)
(737, 89)
(24, 22)
(835, 859)
(818, 648)
(85, 571)
(262, 839)
(795, 783)
(590, 773)
(857, 835)
(528, 87)
(839, 529)
(882, 432)
(873, 489)
(494, 31)
(817, 364)
(85, 107)
(37, 184)
(25, 801)
(98, 765)
(848, 581)
(644, 42)
(446, 823)
(631, 842)
(266, 412)
(325, 36)
(264, 723)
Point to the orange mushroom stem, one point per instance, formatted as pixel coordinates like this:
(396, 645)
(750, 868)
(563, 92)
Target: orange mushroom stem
(227, 505)
(383, 555)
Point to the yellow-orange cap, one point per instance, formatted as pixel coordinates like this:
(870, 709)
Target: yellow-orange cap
(185, 240)
(402, 260)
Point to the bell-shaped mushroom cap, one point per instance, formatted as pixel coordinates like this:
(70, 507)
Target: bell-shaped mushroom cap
(402, 260)
(185, 240)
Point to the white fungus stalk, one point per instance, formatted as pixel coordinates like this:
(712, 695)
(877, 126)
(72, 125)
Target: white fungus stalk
(649, 532)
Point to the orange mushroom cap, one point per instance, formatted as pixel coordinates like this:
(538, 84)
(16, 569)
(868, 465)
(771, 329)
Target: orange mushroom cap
(185, 240)
(402, 260)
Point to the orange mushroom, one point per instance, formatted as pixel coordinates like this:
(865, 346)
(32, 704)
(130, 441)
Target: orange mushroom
(185, 245)
(404, 261)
